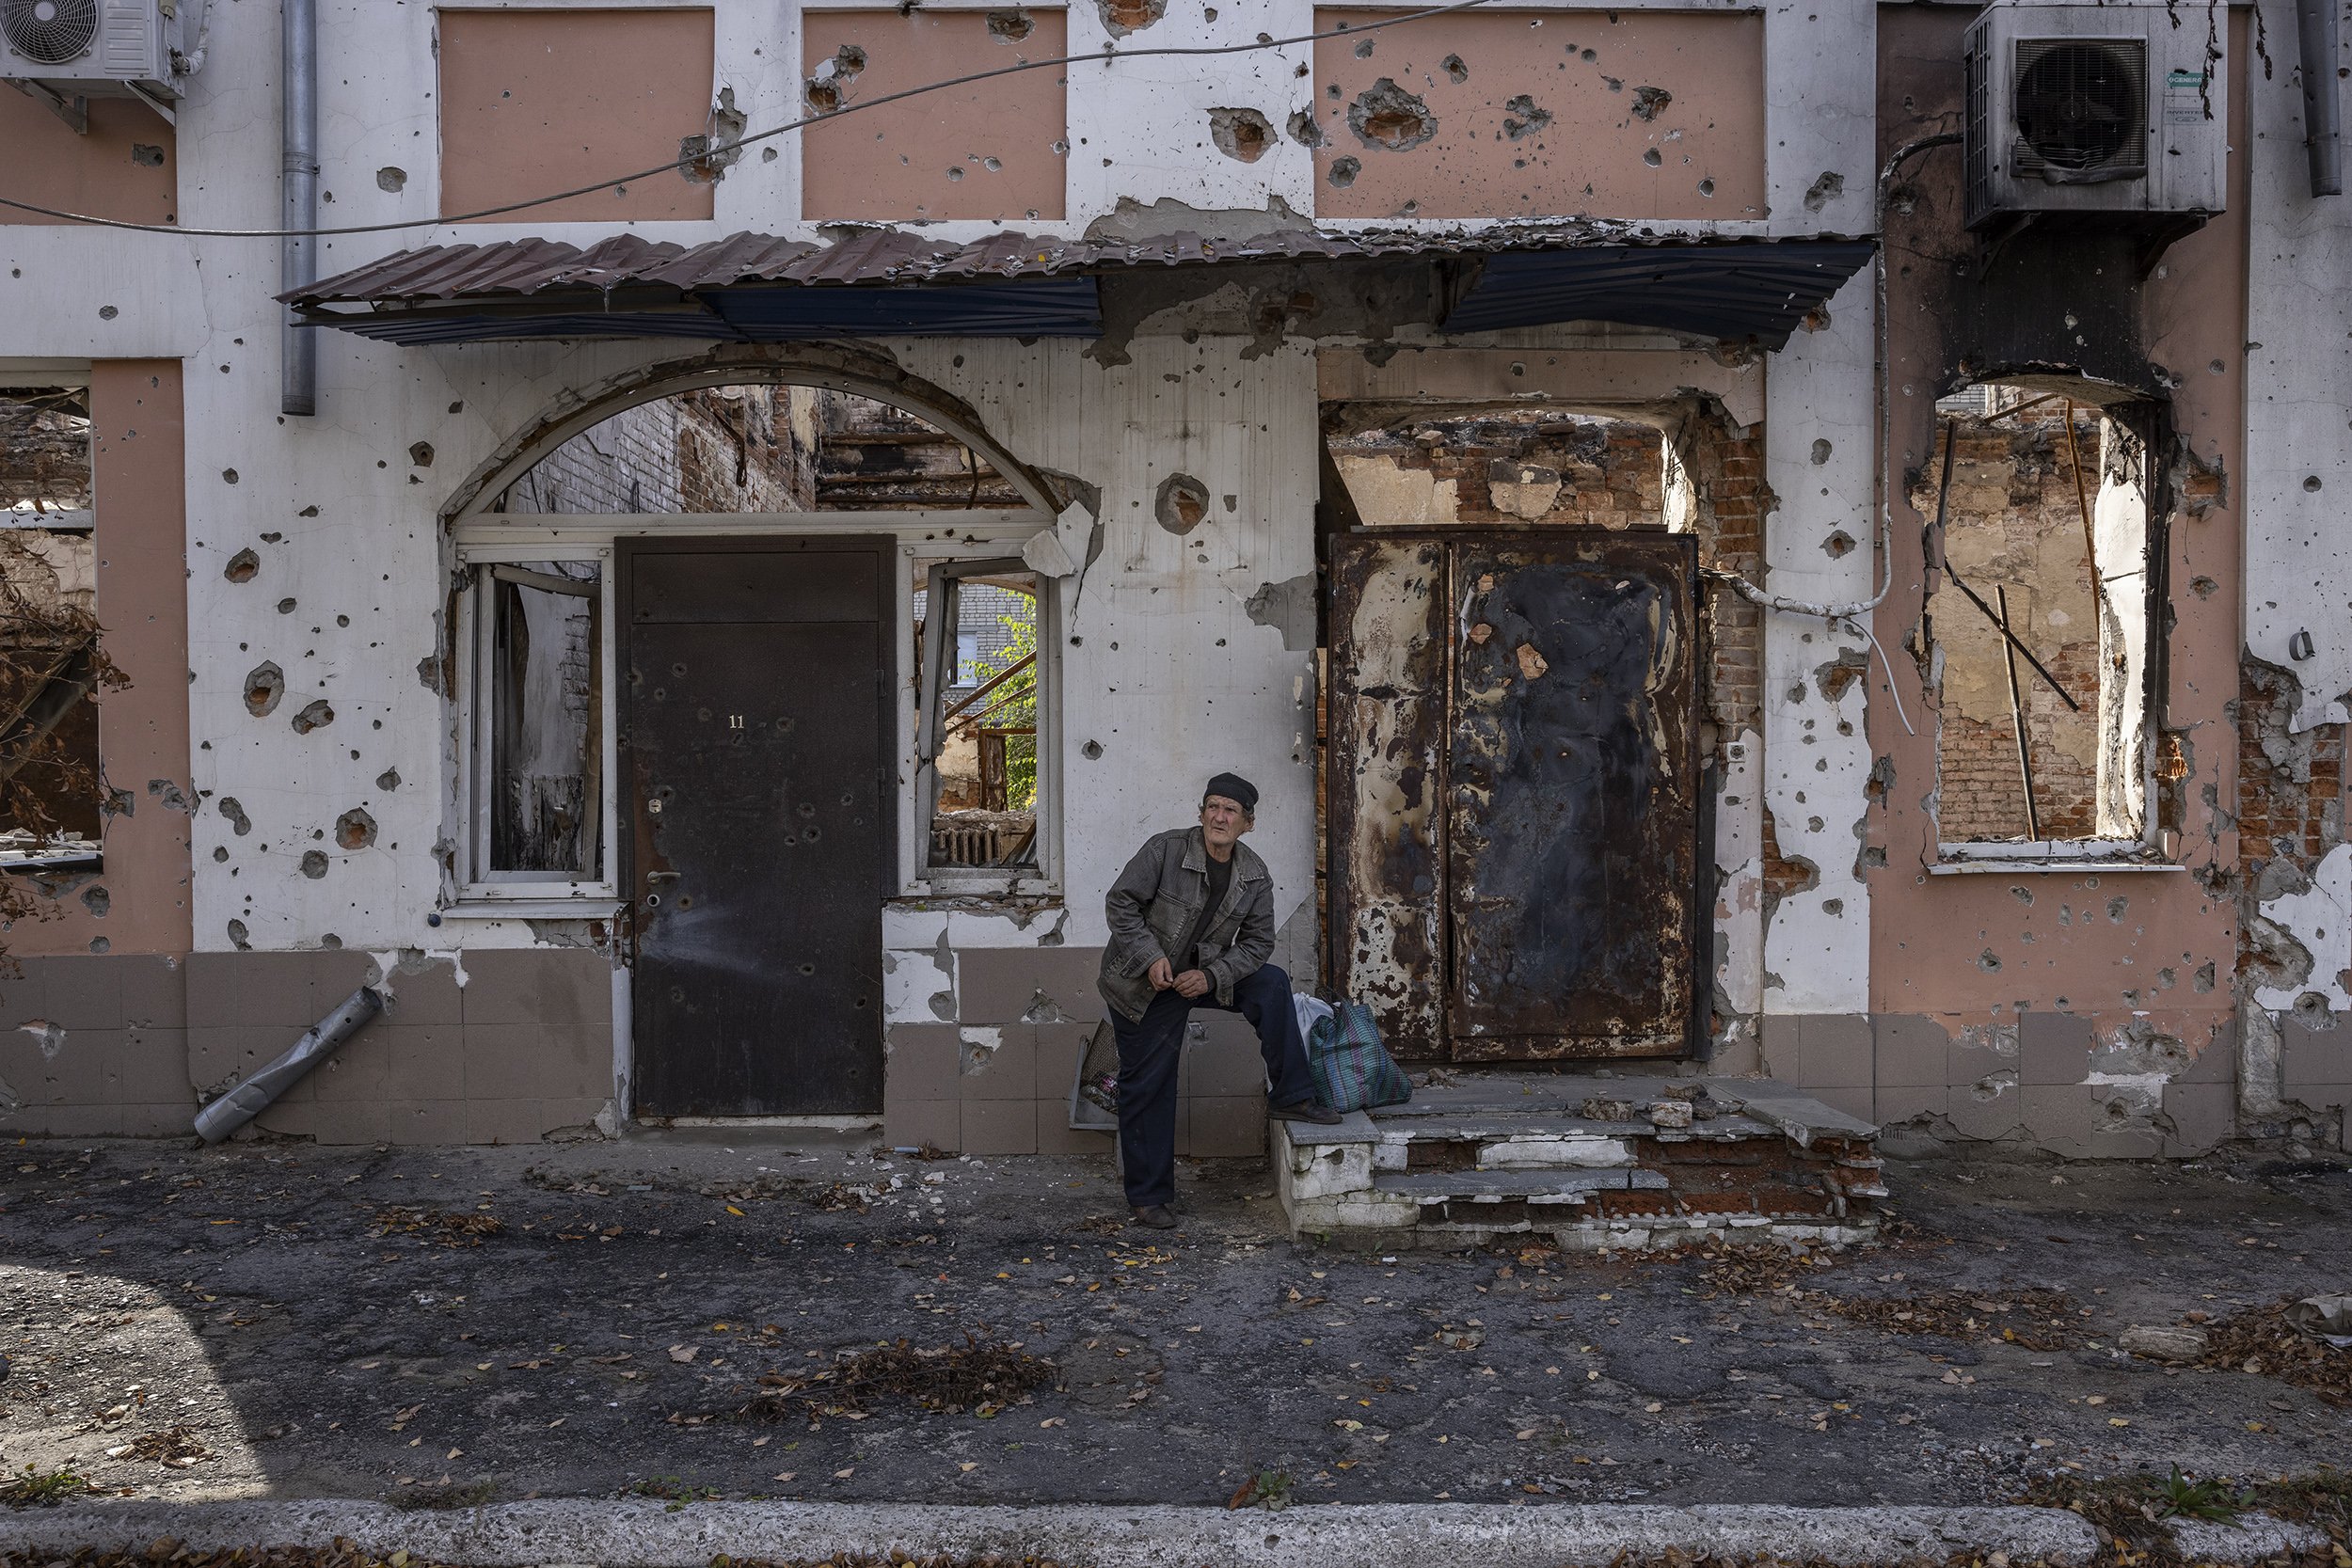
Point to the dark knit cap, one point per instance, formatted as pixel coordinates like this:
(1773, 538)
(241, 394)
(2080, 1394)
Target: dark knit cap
(1233, 787)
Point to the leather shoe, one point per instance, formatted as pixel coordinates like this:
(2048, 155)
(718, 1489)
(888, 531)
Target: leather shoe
(1156, 1218)
(1307, 1110)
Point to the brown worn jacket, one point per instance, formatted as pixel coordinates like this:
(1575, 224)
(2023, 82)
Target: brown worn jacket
(1151, 908)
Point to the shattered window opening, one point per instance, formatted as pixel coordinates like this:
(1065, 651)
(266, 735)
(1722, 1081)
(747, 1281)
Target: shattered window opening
(977, 733)
(51, 667)
(540, 721)
(758, 449)
(1553, 468)
(2035, 637)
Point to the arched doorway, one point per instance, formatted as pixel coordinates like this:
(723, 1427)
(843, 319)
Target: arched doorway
(713, 671)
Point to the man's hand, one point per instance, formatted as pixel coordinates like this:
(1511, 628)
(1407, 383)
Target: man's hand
(1192, 982)
(1162, 975)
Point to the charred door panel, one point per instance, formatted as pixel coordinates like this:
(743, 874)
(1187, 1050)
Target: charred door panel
(1572, 792)
(756, 739)
(1387, 729)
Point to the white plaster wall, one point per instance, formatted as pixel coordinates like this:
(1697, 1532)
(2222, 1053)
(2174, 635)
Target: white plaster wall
(2298, 484)
(1817, 751)
(1820, 112)
(1171, 678)
(1738, 917)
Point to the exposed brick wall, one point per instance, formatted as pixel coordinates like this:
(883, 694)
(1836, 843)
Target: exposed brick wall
(2014, 521)
(1724, 468)
(1558, 469)
(1564, 470)
(2289, 787)
(679, 454)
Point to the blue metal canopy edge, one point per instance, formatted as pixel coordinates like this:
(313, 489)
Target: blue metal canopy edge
(759, 289)
(1763, 291)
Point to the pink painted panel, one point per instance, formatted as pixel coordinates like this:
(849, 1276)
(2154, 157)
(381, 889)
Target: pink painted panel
(141, 534)
(126, 166)
(1527, 114)
(1984, 948)
(539, 100)
(995, 149)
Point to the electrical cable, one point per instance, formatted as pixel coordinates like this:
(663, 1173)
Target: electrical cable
(1110, 56)
(1851, 614)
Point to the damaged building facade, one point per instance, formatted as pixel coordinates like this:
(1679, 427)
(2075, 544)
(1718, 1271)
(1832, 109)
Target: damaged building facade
(1795, 543)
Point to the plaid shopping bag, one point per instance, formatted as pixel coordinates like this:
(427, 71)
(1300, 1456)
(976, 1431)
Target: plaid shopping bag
(1352, 1070)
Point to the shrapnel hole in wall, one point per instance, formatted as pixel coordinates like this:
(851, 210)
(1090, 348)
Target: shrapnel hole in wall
(2057, 542)
(51, 667)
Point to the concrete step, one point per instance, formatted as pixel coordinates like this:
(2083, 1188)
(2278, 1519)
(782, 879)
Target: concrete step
(1496, 1153)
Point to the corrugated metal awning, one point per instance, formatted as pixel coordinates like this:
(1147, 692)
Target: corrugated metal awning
(757, 288)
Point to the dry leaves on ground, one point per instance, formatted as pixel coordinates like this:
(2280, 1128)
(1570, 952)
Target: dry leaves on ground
(448, 1226)
(177, 1446)
(2261, 1340)
(983, 1378)
(2033, 1320)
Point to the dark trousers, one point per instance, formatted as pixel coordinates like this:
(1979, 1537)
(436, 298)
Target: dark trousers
(1151, 1050)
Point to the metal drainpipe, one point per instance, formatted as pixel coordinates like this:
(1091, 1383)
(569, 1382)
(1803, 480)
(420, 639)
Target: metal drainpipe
(2323, 115)
(299, 27)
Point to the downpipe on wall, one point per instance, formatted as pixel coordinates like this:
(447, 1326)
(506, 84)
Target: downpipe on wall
(298, 187)
(318, 1042)
(2323, 111)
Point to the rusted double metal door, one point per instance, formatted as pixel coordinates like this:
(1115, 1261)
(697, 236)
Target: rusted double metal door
(1513, 810)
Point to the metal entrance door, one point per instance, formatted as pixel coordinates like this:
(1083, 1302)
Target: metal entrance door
(755, 735)
(1514, 803)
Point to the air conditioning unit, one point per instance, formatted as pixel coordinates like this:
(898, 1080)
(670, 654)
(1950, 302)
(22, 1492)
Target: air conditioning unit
(101, 48)
(2110, 111)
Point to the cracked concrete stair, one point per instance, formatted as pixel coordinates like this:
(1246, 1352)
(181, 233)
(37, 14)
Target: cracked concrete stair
(1585, 1162)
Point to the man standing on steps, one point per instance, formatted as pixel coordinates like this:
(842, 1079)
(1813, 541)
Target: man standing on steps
(1192, 925)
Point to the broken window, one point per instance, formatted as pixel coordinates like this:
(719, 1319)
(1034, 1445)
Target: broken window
(1553, 469)
(757, 460)
(539, 721)
(976, 720)
(758, 450)
(51, 665)
(2036, 633)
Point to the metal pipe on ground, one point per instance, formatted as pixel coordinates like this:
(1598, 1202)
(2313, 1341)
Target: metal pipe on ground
(321, 1041)
(2323, 113)
(299, 190)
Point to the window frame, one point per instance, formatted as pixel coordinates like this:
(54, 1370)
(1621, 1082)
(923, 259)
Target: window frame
(477, 883)
(80, 521)
(920, 538)
(919, 698)
(2151, 848)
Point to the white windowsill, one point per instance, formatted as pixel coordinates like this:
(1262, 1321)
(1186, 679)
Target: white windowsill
(2066, 866)
(600, 907)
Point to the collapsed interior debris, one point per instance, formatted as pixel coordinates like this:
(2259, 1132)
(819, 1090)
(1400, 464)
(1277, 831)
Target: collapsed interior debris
(2035, 632)
(50, 799)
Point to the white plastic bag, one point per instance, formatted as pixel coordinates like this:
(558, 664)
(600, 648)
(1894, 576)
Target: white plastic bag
(1309, 1009)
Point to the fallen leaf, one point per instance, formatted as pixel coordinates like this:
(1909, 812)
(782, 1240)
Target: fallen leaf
(684, 1353)
(785, 1476)
(845, 1473)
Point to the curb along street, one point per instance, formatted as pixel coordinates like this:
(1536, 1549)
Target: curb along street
(646, 1534)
